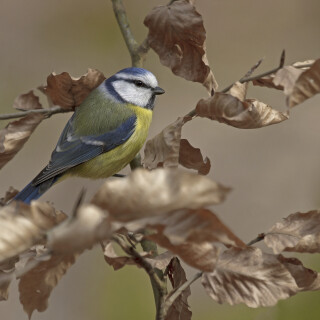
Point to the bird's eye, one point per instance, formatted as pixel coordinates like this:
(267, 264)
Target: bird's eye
(139, 83)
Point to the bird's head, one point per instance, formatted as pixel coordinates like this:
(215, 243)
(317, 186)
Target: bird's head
(137, 86)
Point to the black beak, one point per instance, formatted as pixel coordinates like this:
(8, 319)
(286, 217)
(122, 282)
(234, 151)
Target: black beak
(158, 90)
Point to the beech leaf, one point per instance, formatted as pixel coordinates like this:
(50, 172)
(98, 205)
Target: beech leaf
(190, 234)
(27, 101)
(146, 193)
(180, 308)
(299, 232)
(255, 278)
(191, 158)
(15, 135)
(36, 285)
(69, 92)
(246, 114)
(22, 226)
(163, 149)
(89, 226)
(177, 35)
(299, 85)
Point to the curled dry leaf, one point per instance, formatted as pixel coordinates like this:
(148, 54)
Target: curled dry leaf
(10, 193)
(27, 101)
(177, 35)
(163, 149)
(268, 82)
(180, 308)
(22, 226)
(255, 278)
(299, 232)
(191, 158)
(69, 92)
(89, 226)
(16, 133)
(146, 193)
(299, 85)
(36, 285)
(246, 114)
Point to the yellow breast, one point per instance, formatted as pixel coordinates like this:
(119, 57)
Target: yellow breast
(111, 162)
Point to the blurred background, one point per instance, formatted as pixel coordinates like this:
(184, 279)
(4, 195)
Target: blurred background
(273, 171)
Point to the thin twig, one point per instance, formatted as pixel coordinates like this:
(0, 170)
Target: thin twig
(48, 112)
(170, 300)
(193, 112)
(137, 52)
(247, 79)
(260, 237)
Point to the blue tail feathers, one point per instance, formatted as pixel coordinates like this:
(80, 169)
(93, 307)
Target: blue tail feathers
(32, 192)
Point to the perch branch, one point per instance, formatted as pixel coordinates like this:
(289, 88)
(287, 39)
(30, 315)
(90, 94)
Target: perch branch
(48, 112)
(158, 285)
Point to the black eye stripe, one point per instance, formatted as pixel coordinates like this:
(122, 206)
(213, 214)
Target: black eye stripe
(138, 83)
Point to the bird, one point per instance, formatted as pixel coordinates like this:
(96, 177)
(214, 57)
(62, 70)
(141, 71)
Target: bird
(104, 134)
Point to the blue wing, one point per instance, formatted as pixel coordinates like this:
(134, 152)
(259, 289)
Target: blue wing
(72, 150)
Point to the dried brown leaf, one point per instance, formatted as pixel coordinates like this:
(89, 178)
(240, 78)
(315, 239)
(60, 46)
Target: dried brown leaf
(202, 256)
(22, 226)
(15, 135)
(163, 149)
(299, 85)
(253, 277)
(10, 193)
(146, 193)
(246, 114)
(177, 35)
(36, 285)
(190, 234)
(27, 101)
(69, 92)
(82, 86)
(89, 226)
(299, 232)
(268, 82)
(191, 158)
(180, 308)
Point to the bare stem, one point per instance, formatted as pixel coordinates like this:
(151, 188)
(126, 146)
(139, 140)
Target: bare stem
(137, 52)
(158, 285)
(48, 112)
(193, 113)
(260, 237)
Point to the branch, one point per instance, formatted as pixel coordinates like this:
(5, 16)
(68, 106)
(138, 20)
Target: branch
(48, 112)
(160, 289)
(137, 52)
(179, 291)
(247, 79)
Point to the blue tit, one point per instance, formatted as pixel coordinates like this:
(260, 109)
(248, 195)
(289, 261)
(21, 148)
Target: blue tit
(104, 134)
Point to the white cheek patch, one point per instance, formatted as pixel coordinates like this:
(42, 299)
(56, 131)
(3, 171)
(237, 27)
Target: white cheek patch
(131, 93)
